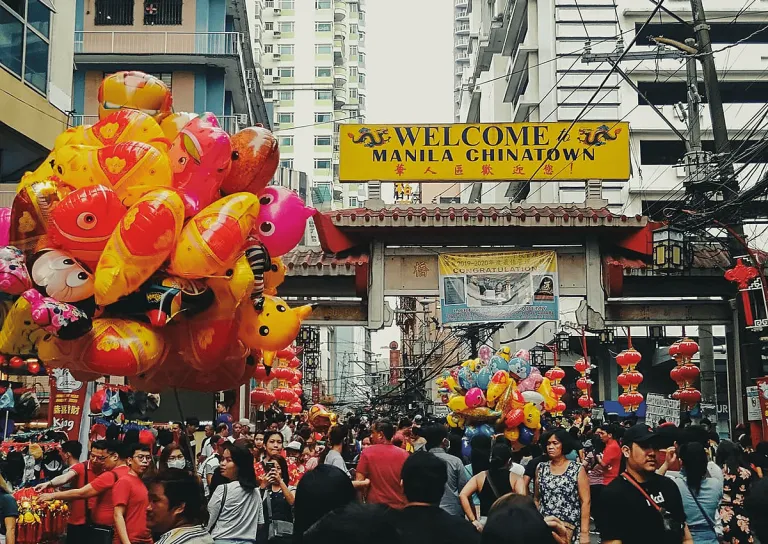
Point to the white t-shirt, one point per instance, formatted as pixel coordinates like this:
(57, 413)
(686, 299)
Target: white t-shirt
(206, 469)
(334, 458)
(517, 468)
(238, 517)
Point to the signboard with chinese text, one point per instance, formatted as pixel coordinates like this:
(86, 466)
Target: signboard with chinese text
(753, 404)
(498, 287)
(658, 407)
(762, 391)
(65, 408)
(480, 152)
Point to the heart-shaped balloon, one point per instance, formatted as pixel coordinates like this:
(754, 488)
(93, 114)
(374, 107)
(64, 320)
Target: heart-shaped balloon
(475, 398)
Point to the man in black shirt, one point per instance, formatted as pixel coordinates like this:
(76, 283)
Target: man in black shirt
(632, 516)
(422, 521)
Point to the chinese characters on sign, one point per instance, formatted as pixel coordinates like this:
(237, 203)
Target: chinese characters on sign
(505, 151)
(67, 402)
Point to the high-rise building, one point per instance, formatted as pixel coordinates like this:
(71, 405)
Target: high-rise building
(202, 49)
(311, 56)
(35, 81)
(524, 63)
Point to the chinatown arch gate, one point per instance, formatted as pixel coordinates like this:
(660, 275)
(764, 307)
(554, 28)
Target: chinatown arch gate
(603, 260)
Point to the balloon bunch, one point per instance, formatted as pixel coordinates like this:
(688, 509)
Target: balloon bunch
(148, 245)
(584, 383)
(501, 387)
(685, 373)
(629, 378)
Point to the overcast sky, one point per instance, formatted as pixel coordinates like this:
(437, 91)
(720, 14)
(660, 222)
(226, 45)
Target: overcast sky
(410, 61)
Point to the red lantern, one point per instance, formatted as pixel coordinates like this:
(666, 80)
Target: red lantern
(283, 373)
(586, 401)
(689, 372)
(688, 348)
(630, 401)
(676, 375)
(676, 394)
(629, 358)
(293, 408)
(295, 376)
(298, 390)
(260, 374)
(583, 383)
(559, 407)
(558, 389)
(622, 380)
(555, 373)
(285, 396)
(287, 353)
(33, 366)
(262, 397)
(294, 362)
(690, 397)
(581, 365)
(674, 350)
(16, 363)
(634, 378)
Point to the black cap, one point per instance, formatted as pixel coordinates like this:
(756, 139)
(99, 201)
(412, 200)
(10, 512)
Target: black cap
(640, 434)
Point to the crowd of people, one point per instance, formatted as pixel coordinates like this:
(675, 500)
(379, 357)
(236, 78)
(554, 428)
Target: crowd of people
(415, 482)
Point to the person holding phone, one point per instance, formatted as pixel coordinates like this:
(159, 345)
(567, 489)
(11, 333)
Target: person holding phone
(278, 497)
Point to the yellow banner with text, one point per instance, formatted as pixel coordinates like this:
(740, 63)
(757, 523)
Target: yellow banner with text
(484, 152)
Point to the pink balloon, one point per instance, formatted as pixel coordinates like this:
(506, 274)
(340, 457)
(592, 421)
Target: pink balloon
(474, 397)
(523, 354)
(282, 220)
(5, 226)
(532, 382)
(485, 353)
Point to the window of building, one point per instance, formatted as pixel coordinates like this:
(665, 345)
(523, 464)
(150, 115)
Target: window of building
(323, 117)
(353, 202)
(285, 71)
(361, 58)
(353, 28)
(268, 93)
(353, 94)
(323, 140)
(269, 25)
(285, 26)
(323, 26)
(322, 71)
(285, 49)
(323, 49)
(285, 95)
(361, 100)
(285, 141)
(361, 36)
(353, 71)
(285, 118)
(361, 79)
(322, 4)
(361, 16)
(450, 200)
(354, 7)
(286, 4)
(26, 38)
(269, 3)
(267, 71)
(322, 164)
(162, 12)
(165, 77)
(352, 50)
(268, 48)
(114, 12)
(286, 163)
(323, 95)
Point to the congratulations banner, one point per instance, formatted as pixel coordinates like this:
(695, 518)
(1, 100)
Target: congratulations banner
(500, 287)
(484, 152)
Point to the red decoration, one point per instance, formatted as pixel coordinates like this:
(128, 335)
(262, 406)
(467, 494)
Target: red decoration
(261, 376)
(586, 402)
(631, 400)
(685, 373)
(558, 390)
(583, 383)
(741, 274)
(514, 418)
(33, 366)
(581, 365)
(293, 408)
(556, 374)
(294, 362)
(629, 379)
(17, 363)
(262, 397)
(689, 397)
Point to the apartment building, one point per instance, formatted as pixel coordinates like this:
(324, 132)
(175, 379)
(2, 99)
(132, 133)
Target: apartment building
(202, 49)
(523, 62)
(36, 53)
(312, 64)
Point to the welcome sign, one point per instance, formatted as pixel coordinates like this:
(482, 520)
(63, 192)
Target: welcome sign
(479, 152)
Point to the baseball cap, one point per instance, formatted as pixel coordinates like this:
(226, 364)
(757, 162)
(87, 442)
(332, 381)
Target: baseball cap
(640, 434)
(244, 421)
(294, 445)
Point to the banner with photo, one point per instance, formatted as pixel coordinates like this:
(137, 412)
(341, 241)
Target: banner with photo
(498, 287)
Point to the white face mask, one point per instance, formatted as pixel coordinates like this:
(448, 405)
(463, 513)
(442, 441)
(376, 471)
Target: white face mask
(177, 463)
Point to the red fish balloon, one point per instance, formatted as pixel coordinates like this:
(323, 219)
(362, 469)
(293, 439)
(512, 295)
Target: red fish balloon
(255, 157)
(83, 222)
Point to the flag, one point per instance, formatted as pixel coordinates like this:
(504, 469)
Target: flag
(6, 399)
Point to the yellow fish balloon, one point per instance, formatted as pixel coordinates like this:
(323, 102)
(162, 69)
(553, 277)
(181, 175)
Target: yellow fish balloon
(20, 335)
(141, 242)
(31, 215)
(117, 127)
(214, 238)
(270, 326)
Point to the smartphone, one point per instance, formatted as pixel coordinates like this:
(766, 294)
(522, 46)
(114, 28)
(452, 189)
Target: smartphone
(271, 465)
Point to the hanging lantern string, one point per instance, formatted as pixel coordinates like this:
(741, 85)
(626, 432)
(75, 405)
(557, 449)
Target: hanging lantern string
(584, 342)
(628, 332)
(684, 335)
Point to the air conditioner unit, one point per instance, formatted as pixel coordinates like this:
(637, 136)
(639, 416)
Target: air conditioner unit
(276, 101)
(275, 125)
(276, 33)
(278, 11)
(270, 79)
(276, 56)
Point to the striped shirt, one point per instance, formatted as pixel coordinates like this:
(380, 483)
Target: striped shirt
(186, 535)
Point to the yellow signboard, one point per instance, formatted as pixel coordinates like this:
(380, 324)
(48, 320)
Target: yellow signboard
(484, 152)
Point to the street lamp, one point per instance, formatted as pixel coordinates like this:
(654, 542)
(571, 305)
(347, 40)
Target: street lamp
(537, 356)
(606, 336)
(563, 339)
(656, 332)
(668, 249)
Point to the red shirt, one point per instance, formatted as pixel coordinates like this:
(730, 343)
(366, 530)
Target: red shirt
(77, 508)
(129, 491)
(103, 511)
(611, 460)
(382, 464)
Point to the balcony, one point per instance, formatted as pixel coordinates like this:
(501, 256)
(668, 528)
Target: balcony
(462, 42)
(340, 10)
(462, 15)
(339, 97)
(462, 57)
(80, 120)
(462, 3)
(340, 75)
(340, 30)
(462, 28)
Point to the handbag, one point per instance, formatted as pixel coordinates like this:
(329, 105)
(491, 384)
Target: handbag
(277, 528)
(712, 524)
(97, 534)
(672, 527)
